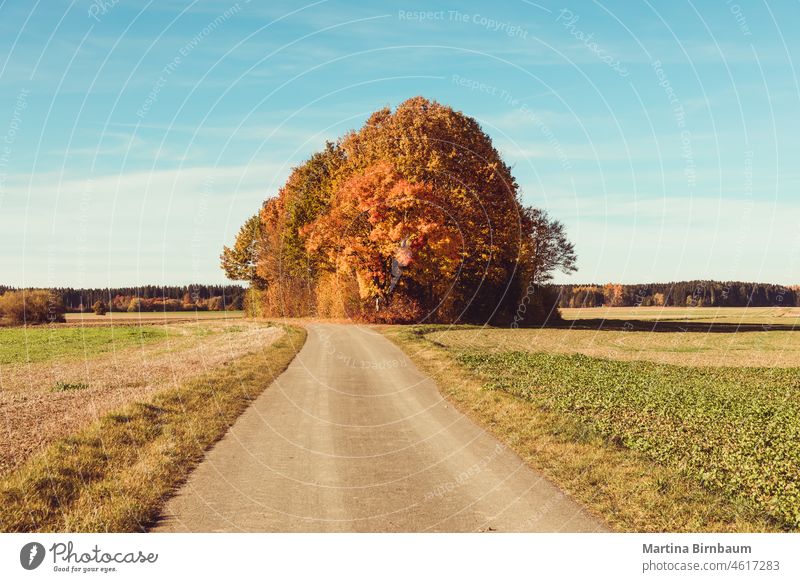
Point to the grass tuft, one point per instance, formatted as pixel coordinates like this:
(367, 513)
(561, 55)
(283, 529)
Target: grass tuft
(66, 386)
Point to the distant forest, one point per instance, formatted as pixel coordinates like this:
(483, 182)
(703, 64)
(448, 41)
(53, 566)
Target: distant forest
(677, 294)
(152, 297)
(680, 294)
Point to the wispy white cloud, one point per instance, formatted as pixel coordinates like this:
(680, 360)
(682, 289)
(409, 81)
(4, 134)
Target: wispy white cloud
(635, 241)
(166, 225)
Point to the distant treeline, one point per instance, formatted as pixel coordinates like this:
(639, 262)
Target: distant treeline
(221, 297)
(680, 294)
(152, 297)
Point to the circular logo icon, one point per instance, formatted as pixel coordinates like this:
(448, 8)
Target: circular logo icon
(31, 555)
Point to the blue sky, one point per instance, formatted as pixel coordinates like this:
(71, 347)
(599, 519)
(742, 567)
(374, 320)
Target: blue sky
(135, 137)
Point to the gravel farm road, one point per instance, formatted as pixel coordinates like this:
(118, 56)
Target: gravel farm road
(353, 437)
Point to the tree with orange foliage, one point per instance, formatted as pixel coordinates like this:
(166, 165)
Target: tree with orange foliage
(416, 211)
(387, 231)
(430, 143)
(613, 295)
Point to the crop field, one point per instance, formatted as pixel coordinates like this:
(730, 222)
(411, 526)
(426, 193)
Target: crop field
(717, 409)
(37, 344)
(735, 430)
(56, 379)
(98, 443)
(728, 316)
(778, 348)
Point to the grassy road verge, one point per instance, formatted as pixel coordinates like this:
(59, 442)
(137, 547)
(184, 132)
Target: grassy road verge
(575, 443)
(116, 474)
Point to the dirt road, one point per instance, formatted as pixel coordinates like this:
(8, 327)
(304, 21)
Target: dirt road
(353, 437)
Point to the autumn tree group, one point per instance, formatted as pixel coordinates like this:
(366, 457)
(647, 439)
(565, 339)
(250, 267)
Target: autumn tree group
(413, 217)
(30, 306)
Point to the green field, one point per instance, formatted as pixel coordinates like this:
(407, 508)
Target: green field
(734, 430)
(716, 407)
(87, 334)
(36, 344)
